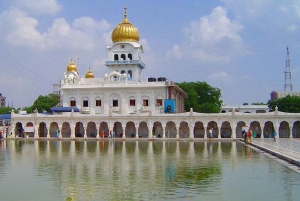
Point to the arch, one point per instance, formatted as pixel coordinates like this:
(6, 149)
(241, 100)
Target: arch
(123, 71)
(118, 129)
(123, 56)
(296, 129)
(261, 111)
(157, 129)
(79, 130)
(129, 72)
(238, 130)
(130, 56)
(116, 57)
(268, 129)
(53, 128)
(226, 131)
(130, 130)
(29, 134)
(19, 130)
(143, 131)
(284, 130)
(184, 130)
(199, 130)
(104, 127)
(66, 130)
(256, 129)
(42, 131)
(91, 130)
(171, 130)
(214, 125)
(223, 111)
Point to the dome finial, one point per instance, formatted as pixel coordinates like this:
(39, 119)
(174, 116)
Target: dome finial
(125, 13)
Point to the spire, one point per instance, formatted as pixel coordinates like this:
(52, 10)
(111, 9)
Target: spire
(288, 75)
(125, 12)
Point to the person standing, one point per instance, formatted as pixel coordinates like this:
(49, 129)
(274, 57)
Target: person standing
(249, 135)
(210, 135)
(274, 135)
(245, 136)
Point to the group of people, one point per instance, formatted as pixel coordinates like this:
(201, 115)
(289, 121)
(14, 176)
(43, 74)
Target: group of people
(247, 135)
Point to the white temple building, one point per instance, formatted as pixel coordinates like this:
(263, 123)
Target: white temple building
(124, 103)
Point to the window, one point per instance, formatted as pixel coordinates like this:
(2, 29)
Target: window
(122, 46)
(72, 103)
(85, 103)
(132, 102)
(98, 103)
(145, 102)
(130, 56)
(158, 102)
(115, 103)
(123, 56)
(116, 57)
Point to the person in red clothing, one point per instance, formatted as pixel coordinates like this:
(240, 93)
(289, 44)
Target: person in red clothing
(249, 135)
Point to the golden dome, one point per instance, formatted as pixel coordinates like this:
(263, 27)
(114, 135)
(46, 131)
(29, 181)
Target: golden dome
(125, 31)
(71, 67)
(89, 74)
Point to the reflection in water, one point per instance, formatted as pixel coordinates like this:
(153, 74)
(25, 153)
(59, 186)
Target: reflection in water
(140, 170)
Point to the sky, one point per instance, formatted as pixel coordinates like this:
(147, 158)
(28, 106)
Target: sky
(238, 46)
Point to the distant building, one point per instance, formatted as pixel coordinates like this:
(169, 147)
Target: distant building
(2, 99)
(275, 94)
(245, 108)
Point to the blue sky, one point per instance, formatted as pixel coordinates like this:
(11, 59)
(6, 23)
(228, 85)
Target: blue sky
(238, 46)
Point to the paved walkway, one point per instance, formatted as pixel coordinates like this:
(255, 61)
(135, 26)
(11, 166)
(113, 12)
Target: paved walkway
(286, 149)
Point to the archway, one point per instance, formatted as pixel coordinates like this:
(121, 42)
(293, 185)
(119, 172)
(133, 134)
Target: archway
(256, 129)
(42, 132)
(268, 129)
(143, 130)
(226, 131)
(199, 130)
(171, 130)
(104, 128)
(296, 130)
(79, 130)
(238, 130)
(130, 130)
(91, 130)
(214, 126)
(284, 130)
(157, 129)
(66, 130)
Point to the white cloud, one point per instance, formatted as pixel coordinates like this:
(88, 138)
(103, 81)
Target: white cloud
(218, 76)
(38, 6)
(175, 52)
(213, 38)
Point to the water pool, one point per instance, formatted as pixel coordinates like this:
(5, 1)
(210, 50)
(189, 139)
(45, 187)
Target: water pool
(141, 170)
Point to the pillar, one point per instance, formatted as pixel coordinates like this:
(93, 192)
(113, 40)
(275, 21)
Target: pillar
(177, 131)
(291, 131)
(123, 131)
(205, 132)
(137, 131)
(191, 132)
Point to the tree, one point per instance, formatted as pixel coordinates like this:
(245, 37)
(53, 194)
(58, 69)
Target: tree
(289, 104)
(201, 97)
(44, 103)
(259, 103)
(5, 110)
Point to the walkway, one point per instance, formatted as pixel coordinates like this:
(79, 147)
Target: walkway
(286, 149)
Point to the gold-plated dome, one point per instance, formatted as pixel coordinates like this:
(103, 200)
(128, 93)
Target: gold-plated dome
(125, 31)
(89, 74)
(71, 67)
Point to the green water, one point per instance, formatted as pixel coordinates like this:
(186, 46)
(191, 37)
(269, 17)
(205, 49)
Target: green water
(142, 170)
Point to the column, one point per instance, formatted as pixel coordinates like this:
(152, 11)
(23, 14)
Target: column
(59, 131)
(177, 131)
(291, 131)
(277, 131)
(72, 130)
(191, 132)
(123, 131)
(84, 130)
(47, 134)
(164, 132)
(97, 131)
(205, 132)
(36, 130)
(150, 130)
(137, 131)
(219, 132)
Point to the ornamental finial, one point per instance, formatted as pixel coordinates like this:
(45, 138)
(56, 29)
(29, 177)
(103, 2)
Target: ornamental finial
(125, 13)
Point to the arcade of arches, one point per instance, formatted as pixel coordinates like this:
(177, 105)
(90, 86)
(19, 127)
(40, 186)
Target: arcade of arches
(158, 129)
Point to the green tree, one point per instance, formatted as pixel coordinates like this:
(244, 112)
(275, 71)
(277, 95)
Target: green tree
(289, 104)
(5, 110)
(259, 103)
(201, 97)
(44, 103)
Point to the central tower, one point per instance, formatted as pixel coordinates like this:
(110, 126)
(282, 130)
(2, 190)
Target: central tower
(124, 56)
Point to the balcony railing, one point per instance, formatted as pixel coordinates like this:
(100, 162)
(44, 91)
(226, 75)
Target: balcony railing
(138, 62)
(115, 109)
(85, 110)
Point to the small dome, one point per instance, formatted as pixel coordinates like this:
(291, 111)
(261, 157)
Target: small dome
(71, 67)
(89, 74)
(125, 31)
